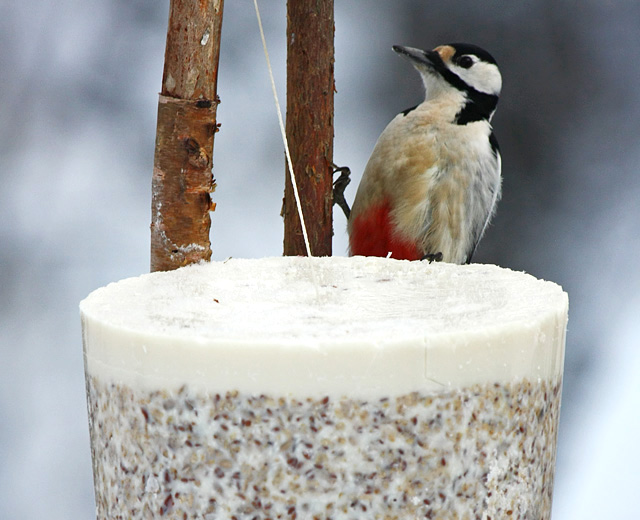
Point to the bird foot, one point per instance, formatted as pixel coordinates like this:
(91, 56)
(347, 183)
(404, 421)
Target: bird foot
(433, 257)
(339, 185)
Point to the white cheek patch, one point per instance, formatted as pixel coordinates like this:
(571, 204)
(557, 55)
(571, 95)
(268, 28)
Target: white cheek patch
(482, 76)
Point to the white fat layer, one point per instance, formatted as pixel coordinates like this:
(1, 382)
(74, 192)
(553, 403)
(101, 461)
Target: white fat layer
(362, 327)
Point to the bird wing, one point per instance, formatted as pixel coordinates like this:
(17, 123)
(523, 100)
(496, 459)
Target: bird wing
(492, 183)
(391, 207)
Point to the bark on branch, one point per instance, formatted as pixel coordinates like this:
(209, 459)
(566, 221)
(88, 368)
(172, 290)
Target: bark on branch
(182, 178)
(310, 88)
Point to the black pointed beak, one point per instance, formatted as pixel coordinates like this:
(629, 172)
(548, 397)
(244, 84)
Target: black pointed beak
(417, 56)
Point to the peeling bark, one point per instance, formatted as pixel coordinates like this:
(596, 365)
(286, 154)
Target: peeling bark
(182, 179)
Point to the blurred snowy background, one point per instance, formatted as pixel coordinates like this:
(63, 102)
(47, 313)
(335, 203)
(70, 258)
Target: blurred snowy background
(78, 98)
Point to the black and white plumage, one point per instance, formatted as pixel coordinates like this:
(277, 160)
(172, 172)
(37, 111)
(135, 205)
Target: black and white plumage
(433, 179)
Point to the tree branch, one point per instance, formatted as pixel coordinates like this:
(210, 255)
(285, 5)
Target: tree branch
(310, 88)
(182, 178)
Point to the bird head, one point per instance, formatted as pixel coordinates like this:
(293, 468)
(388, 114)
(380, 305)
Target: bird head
(462, 68)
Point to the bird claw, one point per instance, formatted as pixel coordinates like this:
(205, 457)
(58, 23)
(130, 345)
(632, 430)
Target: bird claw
(433, 257)
(339, 185)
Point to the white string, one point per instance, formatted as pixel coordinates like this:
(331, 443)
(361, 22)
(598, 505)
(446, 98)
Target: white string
(284, 134)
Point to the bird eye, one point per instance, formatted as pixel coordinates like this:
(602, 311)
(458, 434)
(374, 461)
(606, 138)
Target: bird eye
(465, 62)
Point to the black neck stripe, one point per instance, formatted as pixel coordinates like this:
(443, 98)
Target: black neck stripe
(479, 105)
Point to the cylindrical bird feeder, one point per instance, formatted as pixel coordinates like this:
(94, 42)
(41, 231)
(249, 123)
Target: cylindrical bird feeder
(325, 388)
(311, 388)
